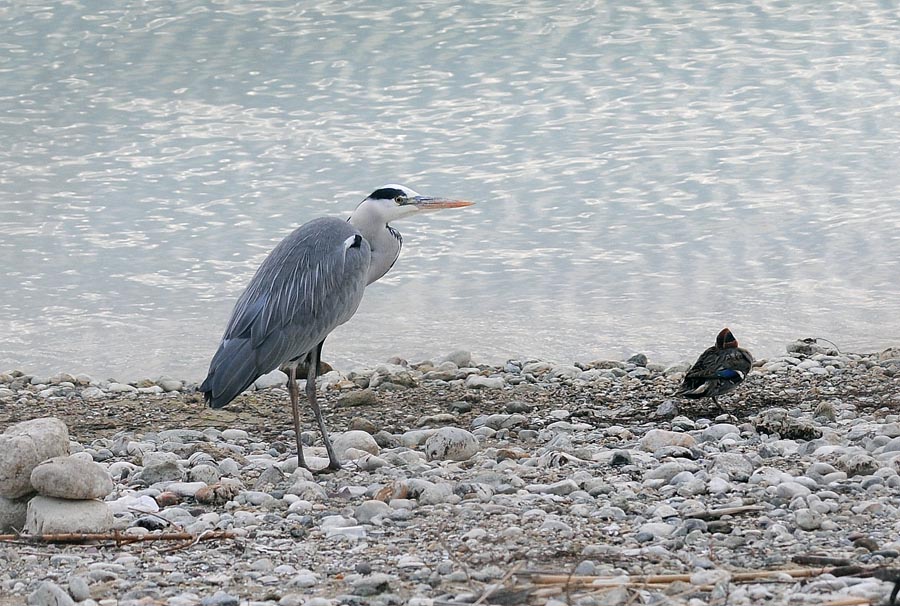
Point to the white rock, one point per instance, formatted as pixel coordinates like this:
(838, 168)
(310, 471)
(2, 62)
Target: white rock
(369, 462)
(131, 502)
(537, 368)
(205, 473)
(161, 467)
(769, 476)
(235, 435)
(657, 529)
(655, 439)
(50, 594)
(92, 393)
(170, 384)
(23, 446)
(857, 464)
(414, 437)
(719, 485)
(565, 372)
(12, 513)
(358, 439)
(563, 487)
(78, 588)
(791, 490)
(47, 515)
(710, 577)
(451, 443)
(186, 489)
(71, 478)
(460, 358)
(807, 519)
(308, 491)
(736, 466)
(120, 388)
(276, 378)
(479, 382)
(437, 494)
(370, 510)
(716, 432)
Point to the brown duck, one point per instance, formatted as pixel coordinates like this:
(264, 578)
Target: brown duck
(718, 370)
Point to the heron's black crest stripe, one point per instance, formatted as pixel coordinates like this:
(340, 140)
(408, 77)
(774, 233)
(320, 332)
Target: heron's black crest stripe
(357, 241)
(386, 193)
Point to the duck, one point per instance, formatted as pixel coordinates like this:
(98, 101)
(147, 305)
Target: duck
(718, 370)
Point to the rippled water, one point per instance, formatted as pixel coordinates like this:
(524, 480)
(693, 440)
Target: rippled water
(645, 174)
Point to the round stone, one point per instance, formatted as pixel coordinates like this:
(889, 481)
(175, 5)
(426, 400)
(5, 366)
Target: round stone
(451, 443)
(358, 439)
(71, 478)
(23, 446)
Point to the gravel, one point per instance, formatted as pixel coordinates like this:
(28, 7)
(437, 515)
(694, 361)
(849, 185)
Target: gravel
(461, 479)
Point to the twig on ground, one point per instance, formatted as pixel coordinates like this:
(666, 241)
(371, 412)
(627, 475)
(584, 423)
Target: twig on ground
(118, 537)
(715, 514)
(665, 579)
(819, 560)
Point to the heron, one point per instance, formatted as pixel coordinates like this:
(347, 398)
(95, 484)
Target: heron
(718, 370)
(311, 283)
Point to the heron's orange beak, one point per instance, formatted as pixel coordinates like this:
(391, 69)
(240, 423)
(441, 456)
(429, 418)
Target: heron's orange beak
(429, 203)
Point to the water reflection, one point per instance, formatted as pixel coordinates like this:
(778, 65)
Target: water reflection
(645, 174)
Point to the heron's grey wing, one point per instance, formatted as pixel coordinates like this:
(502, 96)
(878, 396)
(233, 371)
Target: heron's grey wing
(312, 282)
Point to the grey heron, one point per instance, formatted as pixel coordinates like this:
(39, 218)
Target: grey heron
(311, 283)
(718, 370)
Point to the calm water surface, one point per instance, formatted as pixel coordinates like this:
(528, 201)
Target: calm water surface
(644, 174)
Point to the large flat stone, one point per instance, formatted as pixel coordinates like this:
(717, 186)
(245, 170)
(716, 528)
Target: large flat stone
(71, 478)
(49, 515)
(23, 446)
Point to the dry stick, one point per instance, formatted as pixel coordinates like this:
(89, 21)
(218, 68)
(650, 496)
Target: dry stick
(820, 560)
(662, 579)
(497, 585)
(81, 537)
(715, 514)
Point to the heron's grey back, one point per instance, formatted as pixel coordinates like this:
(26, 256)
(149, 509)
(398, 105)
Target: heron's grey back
(310, 283)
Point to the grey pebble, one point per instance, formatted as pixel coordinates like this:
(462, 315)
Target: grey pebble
(78, 588)
(220, 598)
(49, 594)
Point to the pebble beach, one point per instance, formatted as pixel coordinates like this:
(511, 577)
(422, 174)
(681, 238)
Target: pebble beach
(528, 483)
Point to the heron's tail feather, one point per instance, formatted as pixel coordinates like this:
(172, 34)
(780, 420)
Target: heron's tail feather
(233, 369)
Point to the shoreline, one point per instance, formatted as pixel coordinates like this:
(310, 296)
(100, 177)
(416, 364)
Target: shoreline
(167, 381)
(348, 364)
(599, 471)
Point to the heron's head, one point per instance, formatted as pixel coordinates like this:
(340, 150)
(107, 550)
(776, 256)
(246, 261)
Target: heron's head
(394, 201)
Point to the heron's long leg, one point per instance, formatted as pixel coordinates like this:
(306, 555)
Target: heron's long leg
(294, 391)
(333, 462)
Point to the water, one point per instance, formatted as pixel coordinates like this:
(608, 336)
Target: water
(644, 174)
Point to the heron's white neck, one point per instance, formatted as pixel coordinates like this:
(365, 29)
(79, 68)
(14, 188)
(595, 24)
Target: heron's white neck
(384, 243)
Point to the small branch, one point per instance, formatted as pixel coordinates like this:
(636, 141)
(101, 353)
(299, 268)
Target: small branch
(663, 579)
(715, 514)
(498, 585)
(819, 560)
(118, 537)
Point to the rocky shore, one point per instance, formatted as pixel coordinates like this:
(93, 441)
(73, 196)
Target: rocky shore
(530, 483)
